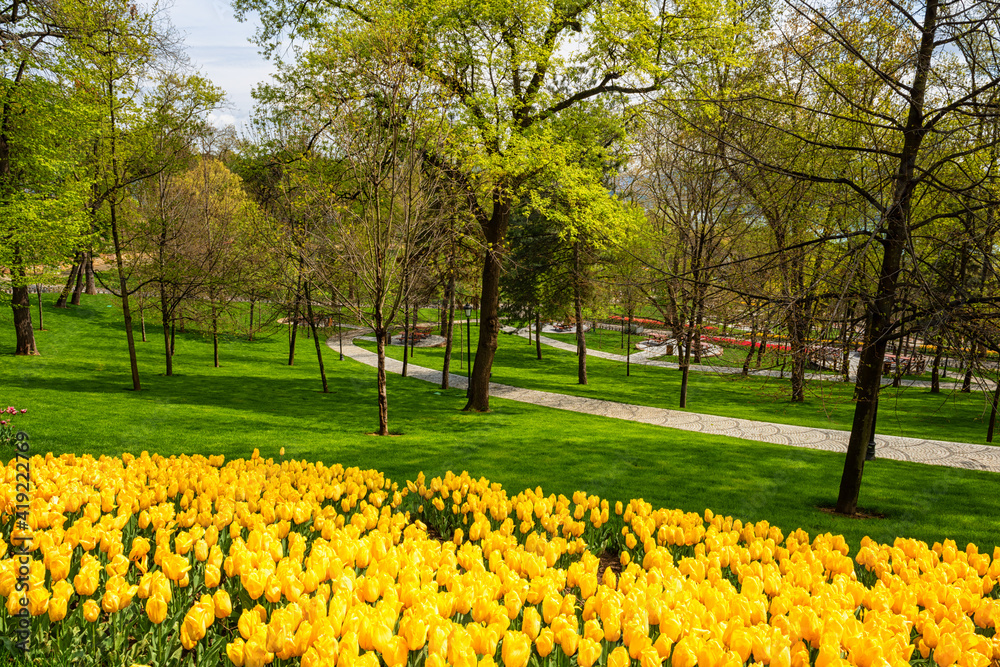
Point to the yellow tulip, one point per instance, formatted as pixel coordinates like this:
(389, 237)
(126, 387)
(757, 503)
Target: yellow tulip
(545, 642)
(253, 582)
(254, 653)
(460, 652)
(650, 657)
(414, 631)
(86, 581)
(684, 654)
(183, 543)
(156, 610)
(118, 566)
(568, 640)
(59, 567)
(516, 650)
(110, 602)
(948, 651)
(234, 650)
(223, 604)
(272, 590)
(57, 609)
(38, 601)
(395, 652)
(175, 567)
(588, 653)
(619, 658)
(91, 612)
(550, 607)
(664, 646)
(531, 623)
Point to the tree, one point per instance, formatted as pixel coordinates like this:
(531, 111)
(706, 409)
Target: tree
(906, 89)
(506, 71)
(174, 121)
(370, 152)
(40, 115)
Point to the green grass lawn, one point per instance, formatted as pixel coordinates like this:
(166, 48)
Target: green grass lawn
(78, 400)
(907, 411)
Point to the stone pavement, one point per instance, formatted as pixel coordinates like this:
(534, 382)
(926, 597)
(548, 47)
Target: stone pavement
(934, 452)
(643, 358)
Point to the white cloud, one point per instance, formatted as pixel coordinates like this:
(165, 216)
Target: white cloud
(219, 47)
(221, 120)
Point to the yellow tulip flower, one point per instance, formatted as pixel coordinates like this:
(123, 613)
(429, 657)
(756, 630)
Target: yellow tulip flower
(545, 642)
(91, 612)
(156, 610)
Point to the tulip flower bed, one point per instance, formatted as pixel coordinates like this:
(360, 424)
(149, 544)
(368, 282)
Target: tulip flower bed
(194, 560)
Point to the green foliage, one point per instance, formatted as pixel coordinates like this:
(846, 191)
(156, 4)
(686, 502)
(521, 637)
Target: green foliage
(42, 196)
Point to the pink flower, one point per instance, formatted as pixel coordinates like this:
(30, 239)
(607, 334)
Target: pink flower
(23, 410)
(11, 409)
(3, 423)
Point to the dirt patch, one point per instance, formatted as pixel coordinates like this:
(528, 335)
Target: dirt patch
(859, 514)
(609, 559)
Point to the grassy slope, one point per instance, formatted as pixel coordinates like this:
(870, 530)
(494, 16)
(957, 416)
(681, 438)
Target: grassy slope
(78, 402)
(912, 412)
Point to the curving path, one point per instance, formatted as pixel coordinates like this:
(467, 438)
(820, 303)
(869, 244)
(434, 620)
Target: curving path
(645, 358)
(933, 452)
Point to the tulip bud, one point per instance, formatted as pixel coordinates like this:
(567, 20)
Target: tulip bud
(156, 610)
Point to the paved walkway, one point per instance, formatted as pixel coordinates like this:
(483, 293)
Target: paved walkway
(934, 452)
(645, 358)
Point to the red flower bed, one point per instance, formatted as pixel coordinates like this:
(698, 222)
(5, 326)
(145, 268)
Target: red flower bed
(744, 343)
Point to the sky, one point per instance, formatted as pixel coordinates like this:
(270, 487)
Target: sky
(218, 46)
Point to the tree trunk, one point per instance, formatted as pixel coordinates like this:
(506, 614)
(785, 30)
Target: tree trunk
(449, 330)
(935, 369)
(215, 332)
(581, 339)
(538, 335)
(62, 301)
(762, 348)
(993, 411)
(38, 293)
(319, 347)
(142, 324)
(797, 338)
(686, 364)
(846, 341)
(20, 303)
(628, 344)
(165, 320)
(173, 334)
(749, 357)
(126, 308)
(495, 231)
(898, 371)
(295, 320)
(383, 398)
(406, 336)
(75, 301)
(967, 380)
(700, 307)
(250, 330)
(88, 266)
(879, 322)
